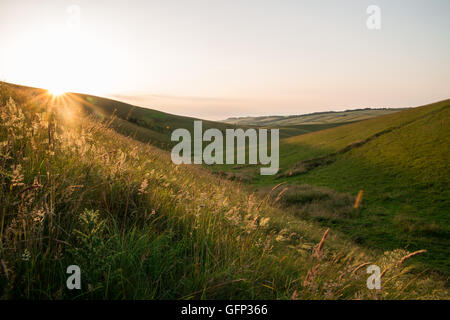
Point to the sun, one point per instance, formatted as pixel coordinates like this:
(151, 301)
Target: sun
(56, 91)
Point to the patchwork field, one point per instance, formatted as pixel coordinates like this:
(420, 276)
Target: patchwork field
(317, 118)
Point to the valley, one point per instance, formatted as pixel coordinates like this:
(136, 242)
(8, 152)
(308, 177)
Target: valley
(83, 184)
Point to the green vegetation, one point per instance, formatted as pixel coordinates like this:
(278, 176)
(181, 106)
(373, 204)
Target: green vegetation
(154, 126)
(399, 160)
(143, 124)
(317, 118)
(74, 191)
(300, 124)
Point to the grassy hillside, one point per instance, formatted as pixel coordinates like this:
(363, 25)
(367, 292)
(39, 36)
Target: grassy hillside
(317, 118)
(74, 191)
(148, 125)
(400, 161)
(155, 126)
(143, 124)
(296, 125)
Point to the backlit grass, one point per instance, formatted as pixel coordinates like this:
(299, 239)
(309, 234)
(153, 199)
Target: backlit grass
(74, 191)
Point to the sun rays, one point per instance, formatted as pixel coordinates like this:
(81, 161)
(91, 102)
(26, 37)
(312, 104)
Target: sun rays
(56, 91)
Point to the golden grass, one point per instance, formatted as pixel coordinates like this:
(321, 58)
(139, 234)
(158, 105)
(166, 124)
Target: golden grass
(141, 227)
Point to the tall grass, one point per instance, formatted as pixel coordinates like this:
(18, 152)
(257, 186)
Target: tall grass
(73, 191)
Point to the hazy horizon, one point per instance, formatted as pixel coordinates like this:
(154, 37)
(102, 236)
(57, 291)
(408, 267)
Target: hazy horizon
(215, 60)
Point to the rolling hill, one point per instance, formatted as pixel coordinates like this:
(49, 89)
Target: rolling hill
(75, 190)
(316, 118)
(148, 125)
(153, 126)
(143, 124)
(399, 160)
(300, 124)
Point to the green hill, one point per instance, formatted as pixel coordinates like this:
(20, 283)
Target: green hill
(300, 124)
(144, 124)
(147, 124)
(400, 161)
(76, 192)
(317, 118)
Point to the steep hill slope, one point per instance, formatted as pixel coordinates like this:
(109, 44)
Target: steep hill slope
(334, 140)
(400, 161)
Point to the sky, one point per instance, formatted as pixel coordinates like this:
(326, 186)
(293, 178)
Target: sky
(216, 59)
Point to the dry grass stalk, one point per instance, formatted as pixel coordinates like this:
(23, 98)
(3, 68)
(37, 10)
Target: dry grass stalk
(403, 260)
(268, 195)
(310, 276)
(410, 256)
(280, 194)
(358, 200)
(318, 250)
(362, 265)
(294, 295)
(276, 187)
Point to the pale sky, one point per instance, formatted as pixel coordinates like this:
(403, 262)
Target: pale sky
(215, 59)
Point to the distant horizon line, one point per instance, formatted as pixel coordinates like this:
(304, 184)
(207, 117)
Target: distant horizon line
(318, 112)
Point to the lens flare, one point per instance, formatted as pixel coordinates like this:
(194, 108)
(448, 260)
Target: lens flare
(56, 91)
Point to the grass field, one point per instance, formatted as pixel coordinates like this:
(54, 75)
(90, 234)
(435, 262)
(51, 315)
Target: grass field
(400, 161)
(75, 191)
(317, 118)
